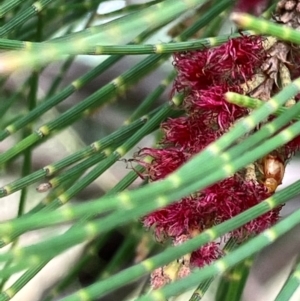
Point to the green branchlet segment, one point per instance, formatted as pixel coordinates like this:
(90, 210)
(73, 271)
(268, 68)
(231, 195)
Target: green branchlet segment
(127, 49)
(233, 281)
(24, 23)
(67, 91)
(23, 16)
(118, 84)
(261, 26)
(32, 102)
(151, 98)
(94, 245)
(8, 5)
(45, 130)
(9, 293)
(116, 154)
(66, 9)
(291, 284)
(254, 103)
(51, 196)
(64, 67)
(57, 80)
(27, 156)
(20, 93)
(230, 245)
(112, 140)
(107, 159)
(95, 100)
(55, 20)
(80, 42)
(90, 251)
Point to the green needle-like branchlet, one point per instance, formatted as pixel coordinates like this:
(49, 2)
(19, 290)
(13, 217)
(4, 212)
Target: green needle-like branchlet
(233, 281)
(67, 91)
(125, 182)
(95, 99)
(8, 5)
(23, 16)
(96, 147)
(128, 49)
(261, 26)
(291, 284)
(74, 44)
(97, 170)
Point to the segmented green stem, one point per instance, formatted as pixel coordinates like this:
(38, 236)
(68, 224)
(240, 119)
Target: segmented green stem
(23, 16)
(261, 26)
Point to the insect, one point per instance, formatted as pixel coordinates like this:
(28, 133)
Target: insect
(273, 170)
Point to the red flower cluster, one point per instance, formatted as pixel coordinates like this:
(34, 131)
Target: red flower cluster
(204, 76)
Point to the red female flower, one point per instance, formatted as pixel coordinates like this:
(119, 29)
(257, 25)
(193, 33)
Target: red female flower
(213, 100)
(191, 133)
(205, 76)
(206, 255)
(164, 161)
(232, 63)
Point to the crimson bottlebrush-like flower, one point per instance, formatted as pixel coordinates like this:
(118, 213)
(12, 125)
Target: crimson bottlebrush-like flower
(213, 100)
(176, 219)
(211, 206)
(191, 133)
(205, 76)
(292, 146)
(206, 255)
(164, 161)
(232, 63)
